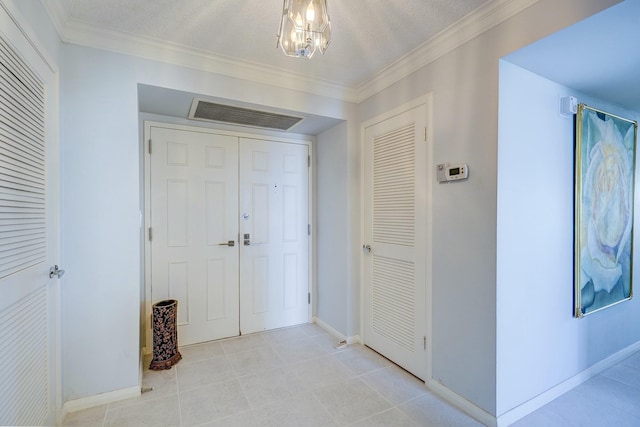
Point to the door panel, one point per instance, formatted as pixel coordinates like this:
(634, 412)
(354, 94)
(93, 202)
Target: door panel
(274, 185)
(198, 180)
(395, 230)
(29, 232)
(194, 214)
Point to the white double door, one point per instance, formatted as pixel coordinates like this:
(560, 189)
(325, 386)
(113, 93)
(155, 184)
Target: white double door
(229, 240)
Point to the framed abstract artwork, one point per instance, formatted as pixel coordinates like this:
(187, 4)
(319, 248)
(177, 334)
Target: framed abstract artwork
(604, 192)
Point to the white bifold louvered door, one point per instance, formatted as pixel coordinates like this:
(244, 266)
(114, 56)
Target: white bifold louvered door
(394, 253)
(28, 232)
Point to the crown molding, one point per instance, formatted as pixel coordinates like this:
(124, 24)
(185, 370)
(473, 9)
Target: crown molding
(79, 33)
(452, 37)
(486, 17)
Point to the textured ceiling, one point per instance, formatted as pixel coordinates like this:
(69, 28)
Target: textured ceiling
(367, 35)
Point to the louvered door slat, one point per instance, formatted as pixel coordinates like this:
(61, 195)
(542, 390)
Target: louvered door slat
(10, 168)
(15, 87)
(21, 264)
(393, 304)
(23, 350)
(23, 130)
(11, 97)
(394, 187)
(23, 226)
(393, 223)
(22, 160)
(16, 143)
(18, 157)
(29, 95)
(22, 72)
(24, 183)
(11, 174)
(27, 303)
(21, 204)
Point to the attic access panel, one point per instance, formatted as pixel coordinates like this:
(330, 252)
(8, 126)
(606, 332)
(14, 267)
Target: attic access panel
(205, 110)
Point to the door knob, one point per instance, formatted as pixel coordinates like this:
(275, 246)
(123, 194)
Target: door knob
(229, 243)
(366, 248)
(55, 271)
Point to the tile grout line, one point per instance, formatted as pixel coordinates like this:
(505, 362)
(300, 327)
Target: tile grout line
(346, 370)
(104, 417)
(322, 405)
(178, 396)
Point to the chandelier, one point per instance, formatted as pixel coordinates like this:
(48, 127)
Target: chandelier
(304, 27)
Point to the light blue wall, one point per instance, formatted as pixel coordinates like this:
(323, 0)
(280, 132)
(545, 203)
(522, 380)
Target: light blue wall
(102, 201)
(332, 230)
(464, 84)
(100, 223)
(539, 342)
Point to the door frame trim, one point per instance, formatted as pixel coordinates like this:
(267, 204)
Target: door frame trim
(426, 100)
(145, 215)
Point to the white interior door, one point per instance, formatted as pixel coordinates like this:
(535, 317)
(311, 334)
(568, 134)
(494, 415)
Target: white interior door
(395, 234)
(274, 208)
(29, 237)
(194, 230)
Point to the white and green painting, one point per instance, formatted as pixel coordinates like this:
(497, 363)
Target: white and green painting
(605, 169)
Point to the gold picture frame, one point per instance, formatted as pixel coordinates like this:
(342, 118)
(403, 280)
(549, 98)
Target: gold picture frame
(605, 154)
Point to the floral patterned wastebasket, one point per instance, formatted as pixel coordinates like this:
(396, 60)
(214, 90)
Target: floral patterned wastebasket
(165, 335)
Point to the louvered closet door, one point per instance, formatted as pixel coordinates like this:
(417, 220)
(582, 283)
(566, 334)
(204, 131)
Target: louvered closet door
(28, 232)
(395, 230)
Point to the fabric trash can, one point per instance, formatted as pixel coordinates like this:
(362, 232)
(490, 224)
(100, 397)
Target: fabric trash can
(165, 335)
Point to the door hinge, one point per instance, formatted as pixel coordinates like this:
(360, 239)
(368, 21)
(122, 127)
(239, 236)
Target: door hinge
(309, 161)
(425, 133)
(150, 234)
(149, 146)
(309, 298)
(424, 340)
(308, 229)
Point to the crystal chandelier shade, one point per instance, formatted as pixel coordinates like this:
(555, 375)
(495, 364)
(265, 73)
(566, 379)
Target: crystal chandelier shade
(304, 27)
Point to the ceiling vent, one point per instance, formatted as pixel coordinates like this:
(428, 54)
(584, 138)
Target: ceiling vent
(205, 110)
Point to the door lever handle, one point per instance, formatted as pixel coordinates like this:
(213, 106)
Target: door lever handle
(55, 272)
(229, 243)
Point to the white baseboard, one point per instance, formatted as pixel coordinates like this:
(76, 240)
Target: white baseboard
(99, 399)
(461, 403)
(339, 336)
(141, 366)
(539, 401)
(354, 339)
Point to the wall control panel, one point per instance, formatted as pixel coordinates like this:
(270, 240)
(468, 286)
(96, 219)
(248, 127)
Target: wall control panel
(452, 172)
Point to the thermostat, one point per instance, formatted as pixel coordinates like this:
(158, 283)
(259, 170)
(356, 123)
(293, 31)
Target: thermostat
(447, 172)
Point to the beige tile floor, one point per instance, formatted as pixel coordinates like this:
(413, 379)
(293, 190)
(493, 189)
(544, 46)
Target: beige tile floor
(288, 377)
(296, 377)
(611, 399)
